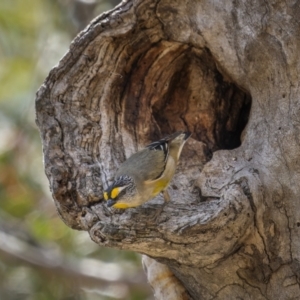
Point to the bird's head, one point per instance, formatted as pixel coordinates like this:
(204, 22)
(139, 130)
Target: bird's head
(120, 193)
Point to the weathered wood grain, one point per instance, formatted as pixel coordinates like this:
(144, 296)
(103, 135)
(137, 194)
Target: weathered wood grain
(149, 68)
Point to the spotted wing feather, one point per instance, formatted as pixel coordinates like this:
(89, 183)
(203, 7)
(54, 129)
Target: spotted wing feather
(161, 145)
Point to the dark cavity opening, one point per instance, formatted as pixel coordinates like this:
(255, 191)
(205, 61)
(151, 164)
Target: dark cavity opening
(202, 100)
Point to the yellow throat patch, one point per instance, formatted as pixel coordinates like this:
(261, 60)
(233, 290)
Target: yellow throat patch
(121, 205)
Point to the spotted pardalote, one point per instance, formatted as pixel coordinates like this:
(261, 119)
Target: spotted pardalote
(146, 173)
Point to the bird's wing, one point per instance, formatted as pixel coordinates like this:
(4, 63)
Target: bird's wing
(147, 164)
(159, 153)
(150, 163)
(161, 145)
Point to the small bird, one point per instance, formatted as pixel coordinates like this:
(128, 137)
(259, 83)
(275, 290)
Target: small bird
(146, 173)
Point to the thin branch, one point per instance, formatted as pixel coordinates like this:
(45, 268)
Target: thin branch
(88, 273)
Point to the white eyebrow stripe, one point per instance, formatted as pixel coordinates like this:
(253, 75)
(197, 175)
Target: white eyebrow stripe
(121, 188)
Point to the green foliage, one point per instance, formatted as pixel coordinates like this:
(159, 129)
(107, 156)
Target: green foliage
(34, 35)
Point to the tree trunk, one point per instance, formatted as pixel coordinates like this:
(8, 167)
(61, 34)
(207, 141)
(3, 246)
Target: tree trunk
(229, 73)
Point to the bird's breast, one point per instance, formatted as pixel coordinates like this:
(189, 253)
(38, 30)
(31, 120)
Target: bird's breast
(159, 186)
(153, 188)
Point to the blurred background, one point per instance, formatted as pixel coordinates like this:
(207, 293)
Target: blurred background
(40, 257)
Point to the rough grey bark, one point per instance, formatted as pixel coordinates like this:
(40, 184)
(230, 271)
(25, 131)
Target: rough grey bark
(148, 68)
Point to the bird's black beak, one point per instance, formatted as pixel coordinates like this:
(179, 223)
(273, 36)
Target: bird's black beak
(110, 202)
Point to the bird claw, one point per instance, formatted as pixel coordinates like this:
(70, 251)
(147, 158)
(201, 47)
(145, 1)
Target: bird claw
(158, 212)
